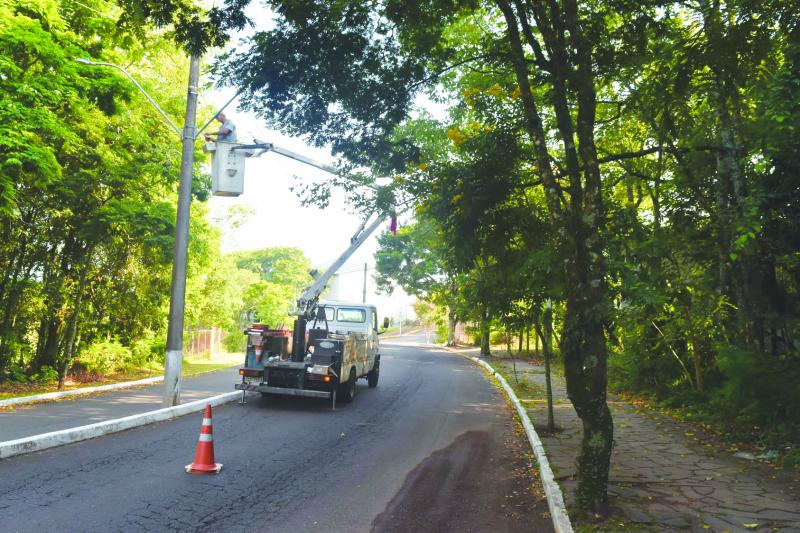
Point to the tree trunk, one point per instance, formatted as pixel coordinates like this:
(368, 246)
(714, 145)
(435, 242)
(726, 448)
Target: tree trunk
(72, 329)
(584, 351)
(49, 354)
(12, 282)
(548, 356)
(451, 327)
(547, 344)
(739, 261)
(485, 331)
(577, 218)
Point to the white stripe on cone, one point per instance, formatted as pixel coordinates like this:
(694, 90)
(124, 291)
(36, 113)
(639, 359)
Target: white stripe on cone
(206, 437)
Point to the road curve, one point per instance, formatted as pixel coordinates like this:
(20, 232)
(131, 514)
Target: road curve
(428, 450)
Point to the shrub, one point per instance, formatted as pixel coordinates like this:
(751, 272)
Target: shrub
(46, 374)
(234, 341)
(148, 351)
(105, 356)
(498, 337)
(16, 374)
(759, 389)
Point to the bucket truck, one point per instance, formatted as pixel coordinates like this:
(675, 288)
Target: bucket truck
(332, 344)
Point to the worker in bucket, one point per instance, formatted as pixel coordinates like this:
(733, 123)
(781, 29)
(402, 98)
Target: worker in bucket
(226, 133)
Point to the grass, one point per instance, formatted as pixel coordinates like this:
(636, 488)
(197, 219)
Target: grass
(191, 367)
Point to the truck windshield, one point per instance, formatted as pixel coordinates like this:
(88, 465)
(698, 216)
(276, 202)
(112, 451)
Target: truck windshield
(351, 314)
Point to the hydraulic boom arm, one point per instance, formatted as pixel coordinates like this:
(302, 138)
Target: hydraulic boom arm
(308, 300)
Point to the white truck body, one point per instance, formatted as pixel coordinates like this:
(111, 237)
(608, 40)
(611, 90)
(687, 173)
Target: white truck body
(358, 322)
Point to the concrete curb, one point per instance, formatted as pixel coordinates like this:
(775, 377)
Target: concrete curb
(77, 392)
(555, 499)
(67, 436)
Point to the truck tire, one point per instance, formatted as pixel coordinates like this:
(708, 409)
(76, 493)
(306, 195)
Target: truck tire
(373, 375)
(347, 391)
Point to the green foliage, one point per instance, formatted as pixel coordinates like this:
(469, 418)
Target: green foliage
(87, 187)
(105, 356)
(47, 374)
(16, 374)
(433, 316)
(274, 278)
(499, 337)
(147, 351)
(759, 389)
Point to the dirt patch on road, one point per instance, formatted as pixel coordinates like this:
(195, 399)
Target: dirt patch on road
(481, 482)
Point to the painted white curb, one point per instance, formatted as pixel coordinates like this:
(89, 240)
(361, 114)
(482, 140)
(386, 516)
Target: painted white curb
(35, 443)
(555, 499)
(77, 392)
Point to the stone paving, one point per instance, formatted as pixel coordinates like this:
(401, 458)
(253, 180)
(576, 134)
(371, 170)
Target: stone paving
(662, 477)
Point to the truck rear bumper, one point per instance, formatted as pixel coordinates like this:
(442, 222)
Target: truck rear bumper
(283, 391)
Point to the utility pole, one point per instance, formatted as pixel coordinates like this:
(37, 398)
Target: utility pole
(364, 294)
(174, 355)
(174, 358)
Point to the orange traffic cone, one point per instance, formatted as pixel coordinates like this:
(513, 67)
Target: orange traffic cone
(204, 457)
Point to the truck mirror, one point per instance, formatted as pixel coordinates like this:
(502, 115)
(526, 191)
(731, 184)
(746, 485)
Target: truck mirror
(385, 322)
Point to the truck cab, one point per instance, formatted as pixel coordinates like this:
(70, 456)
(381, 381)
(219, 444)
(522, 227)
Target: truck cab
(346, 317)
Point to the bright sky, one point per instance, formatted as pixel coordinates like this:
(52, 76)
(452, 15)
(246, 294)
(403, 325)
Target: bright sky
(278, 219)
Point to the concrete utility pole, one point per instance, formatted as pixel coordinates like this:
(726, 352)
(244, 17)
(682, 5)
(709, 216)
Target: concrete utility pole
(174, 359)
(364, 293)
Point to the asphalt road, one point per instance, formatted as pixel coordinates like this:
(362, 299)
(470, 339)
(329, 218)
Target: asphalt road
(429, 449)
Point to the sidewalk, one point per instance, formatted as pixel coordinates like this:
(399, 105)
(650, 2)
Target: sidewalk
(34, 419)
(662, 478)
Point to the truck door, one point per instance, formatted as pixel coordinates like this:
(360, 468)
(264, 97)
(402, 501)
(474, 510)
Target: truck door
(373, 339)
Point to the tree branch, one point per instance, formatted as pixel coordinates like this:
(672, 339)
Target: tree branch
(656, 149)
(448, 68)
(541, 61)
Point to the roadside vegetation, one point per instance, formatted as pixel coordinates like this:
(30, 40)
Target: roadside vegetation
(78, 379)
(88, 189)
(615, 178)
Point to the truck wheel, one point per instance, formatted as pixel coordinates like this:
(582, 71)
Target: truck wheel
(348, 390)
(373, 375)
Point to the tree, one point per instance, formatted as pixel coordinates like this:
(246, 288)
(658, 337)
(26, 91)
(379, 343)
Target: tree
(415, 260)
(89, 179)
(282, 273)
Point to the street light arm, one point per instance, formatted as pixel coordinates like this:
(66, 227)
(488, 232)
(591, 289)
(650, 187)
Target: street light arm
(104, 64)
